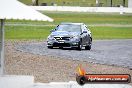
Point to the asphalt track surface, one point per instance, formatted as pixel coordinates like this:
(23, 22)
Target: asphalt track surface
(109, 52)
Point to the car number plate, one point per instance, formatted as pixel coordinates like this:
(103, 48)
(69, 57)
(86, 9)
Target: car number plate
(61, 42)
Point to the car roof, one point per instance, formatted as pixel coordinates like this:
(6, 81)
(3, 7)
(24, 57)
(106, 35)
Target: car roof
(72, 23)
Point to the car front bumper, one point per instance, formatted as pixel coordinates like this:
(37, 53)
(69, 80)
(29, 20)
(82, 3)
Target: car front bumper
(55, 43)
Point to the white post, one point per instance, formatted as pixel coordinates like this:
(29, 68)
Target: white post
(121, 9)
(97, 3)
(33, 2)
(2, 47)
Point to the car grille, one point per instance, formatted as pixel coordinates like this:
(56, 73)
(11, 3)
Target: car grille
(62, 38)
(61, 45)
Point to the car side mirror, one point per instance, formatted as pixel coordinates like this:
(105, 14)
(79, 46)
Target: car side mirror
(84, 31)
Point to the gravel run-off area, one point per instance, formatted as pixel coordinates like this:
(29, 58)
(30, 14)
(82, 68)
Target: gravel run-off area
(48, 67)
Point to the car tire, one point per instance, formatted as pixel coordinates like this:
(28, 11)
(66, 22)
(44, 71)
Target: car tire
(79, 46)
(88, 47)
(50, 47)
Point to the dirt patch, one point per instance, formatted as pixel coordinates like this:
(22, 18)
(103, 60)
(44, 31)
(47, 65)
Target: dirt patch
(49, 68)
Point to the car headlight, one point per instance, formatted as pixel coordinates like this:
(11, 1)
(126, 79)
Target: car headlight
(75, 38)
(50, 37)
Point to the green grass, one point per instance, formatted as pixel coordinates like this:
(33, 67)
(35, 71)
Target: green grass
(76, 2)
(90, 18)
(21, 32)
(87, 18)
(111, 32)
(99, 32)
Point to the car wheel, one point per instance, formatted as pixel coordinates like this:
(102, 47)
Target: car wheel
(50, 47)
(88, 47)
(79, 46)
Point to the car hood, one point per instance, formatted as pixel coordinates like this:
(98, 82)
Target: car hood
(65, 33)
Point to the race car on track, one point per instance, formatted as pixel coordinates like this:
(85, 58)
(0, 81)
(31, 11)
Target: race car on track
(73, 35)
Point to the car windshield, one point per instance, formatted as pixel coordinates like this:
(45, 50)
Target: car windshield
(69, 28)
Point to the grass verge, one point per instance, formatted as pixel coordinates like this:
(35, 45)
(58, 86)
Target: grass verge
(36, 32)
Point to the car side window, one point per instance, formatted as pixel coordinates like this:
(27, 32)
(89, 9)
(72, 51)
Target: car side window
(82, 28)
(85, 28)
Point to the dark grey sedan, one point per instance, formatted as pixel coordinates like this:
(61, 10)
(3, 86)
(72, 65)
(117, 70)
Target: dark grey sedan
(73, 35)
